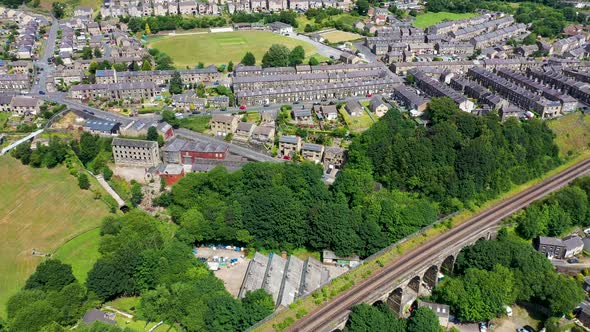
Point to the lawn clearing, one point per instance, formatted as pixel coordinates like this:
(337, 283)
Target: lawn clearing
(196, 123)
(356, 124)
(340, 36)
(81, 253)
(572, 134)
(220, 48)
(40, 209)
(425, 20)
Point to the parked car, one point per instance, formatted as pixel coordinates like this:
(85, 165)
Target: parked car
(573, 260)
(242, 107)
(41, 92)
(483, 327)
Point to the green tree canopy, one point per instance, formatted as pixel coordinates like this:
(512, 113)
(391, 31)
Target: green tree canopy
(276, 56)
(51, 275)
(248, 59)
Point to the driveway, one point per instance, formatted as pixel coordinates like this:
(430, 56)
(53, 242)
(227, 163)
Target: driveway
(322, 49)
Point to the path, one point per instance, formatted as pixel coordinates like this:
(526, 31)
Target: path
(20, 141)
(110, 190)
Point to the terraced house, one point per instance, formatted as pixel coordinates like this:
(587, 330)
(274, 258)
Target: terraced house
(139, 90)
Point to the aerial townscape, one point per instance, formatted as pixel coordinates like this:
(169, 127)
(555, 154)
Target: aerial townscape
(294, 165)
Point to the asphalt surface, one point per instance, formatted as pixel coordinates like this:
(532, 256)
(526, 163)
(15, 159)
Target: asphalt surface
(42, 62)
(322, 318)
(235, 149)
(322, 49)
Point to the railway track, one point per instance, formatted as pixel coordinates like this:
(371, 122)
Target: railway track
(322, 318)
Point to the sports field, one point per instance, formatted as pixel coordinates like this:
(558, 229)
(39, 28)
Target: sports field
(39, 209)
(428, 19)
(220, 48)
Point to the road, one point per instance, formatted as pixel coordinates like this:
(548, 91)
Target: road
(322, 318)
(44, 67)
(235, 149)
(369, 56)
(322, 49)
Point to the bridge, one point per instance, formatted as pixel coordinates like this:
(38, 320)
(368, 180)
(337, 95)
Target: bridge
(415, 273)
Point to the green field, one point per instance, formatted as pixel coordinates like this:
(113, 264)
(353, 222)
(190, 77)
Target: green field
(81, 252)
(428, 19)
(220, 48)
(356, 124)
(196, 123)
(40, 209)
(572, 134)
(340, 36)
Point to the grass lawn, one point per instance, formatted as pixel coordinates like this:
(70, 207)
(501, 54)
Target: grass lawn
(340, 36)
(40, 209)
(196, 123)
(220, 48)
(81, 252)
(356, 124)
(428, 19)
(572, 134)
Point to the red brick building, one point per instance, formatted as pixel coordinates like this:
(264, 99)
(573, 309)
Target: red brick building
(179, 151)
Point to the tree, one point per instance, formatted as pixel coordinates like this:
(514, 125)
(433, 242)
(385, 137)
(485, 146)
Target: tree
(296, 56)
(152, 134)
(257, 305)
(224, 313)
(147, 29)
(89, 147)
(366, 318)
(362, 7)
(136, 194)
(23, 152)
(146, 64)
(276, 56)
(230, 66)
(107, 173)
(313, 61)
(86, 53)
(58, 9)
(248, 59)
(423, 320)
(51, 275)
(176, 83)
(98, 53)
(34, 317)
(83, 181)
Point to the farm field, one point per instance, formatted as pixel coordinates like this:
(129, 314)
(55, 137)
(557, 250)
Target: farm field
(572, 134)
(40, 209)
(340, 36)
(428, 19)
(220, 48)
(80, 252)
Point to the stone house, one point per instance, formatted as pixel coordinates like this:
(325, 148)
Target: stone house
(223, 125)
(354, 108)
(334, 158)
(312, 152)
(244, 131)
(329, 112)
(377, 106)
(23, 105)
(131, 152)
(302, 115)
(263, 134)
(557, 248)
(289, 146)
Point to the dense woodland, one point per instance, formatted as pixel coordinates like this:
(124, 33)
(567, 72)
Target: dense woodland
(139, 256)
(366, 318)
(286, 206)
(556, 214)
(460, 160)
(491, 274)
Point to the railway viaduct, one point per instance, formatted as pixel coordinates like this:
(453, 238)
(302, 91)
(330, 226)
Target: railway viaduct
(419, 281)
(415, 272)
